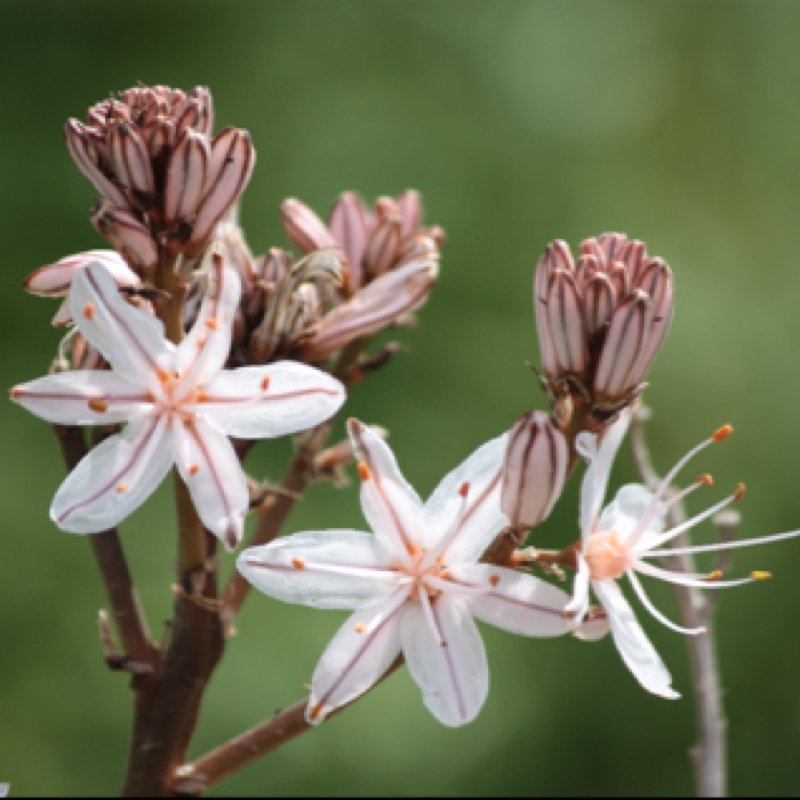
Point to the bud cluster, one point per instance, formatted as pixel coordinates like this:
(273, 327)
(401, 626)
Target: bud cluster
(601, 322)
(163, 179)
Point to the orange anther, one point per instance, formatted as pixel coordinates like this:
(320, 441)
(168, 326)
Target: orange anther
(315, 712)
(265, 383)
(464, 490)
(714, 576)
(705, 479)
(360, 627)
(298, 563)
(363, 471)
(88, 310)
(194, 469)
(123, 487)
(761, 576)
(163, 376)
(98, 405)
(494, 580)
(723, 433)
(213, 323)
(739, 494)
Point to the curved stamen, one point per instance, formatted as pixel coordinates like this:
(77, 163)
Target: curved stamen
(455, 587)
(687, 580)
(639, 589)
(441, 546)
(711, 548)
(395, 601)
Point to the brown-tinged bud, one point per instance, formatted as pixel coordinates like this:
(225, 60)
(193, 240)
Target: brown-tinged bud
(230, 167)
(186, 176)
(383, 245)
(534, 471)
(159, 135)
(127, 234)
(130, 160)
(348, 227)
(376, 306)
(85, 155)
(598, 301)
(304, 228)
(565, 323)
(206, 123)
(409, 209)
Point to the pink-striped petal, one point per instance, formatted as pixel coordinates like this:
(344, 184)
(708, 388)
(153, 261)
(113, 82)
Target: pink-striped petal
(333, 569)
(473, 522)
(450, 666)
(115, 478)
(565, 322)
(54, 280)
(633, 645)
(211, 470)
(132, 341)
(515, 602)
(84, 397)
(348, 226)
(264, 402)
(391, 506)
(362, 650)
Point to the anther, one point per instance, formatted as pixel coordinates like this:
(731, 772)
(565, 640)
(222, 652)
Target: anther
(194, 469)
(265, 383)
(363, 471)
(494, 580)
(88, 310)
(464, 490)
(298, 563)
(723, 433)
(98, 405)
(706, 479)
(739, 494)
(714, 576)
(213, 323)
(123, 487)
(360, 627)
(163, 376)
(761, 576)
(315, 712)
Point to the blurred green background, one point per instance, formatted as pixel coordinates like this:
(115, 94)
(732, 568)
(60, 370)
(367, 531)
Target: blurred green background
(520, 121)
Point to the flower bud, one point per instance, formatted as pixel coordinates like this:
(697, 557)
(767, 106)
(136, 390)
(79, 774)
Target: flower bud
(534, 471)
(348, 227)
(128, 235)
(186, 176)
(382, 246)
(305, 228)
(130, 161)
(85, 155)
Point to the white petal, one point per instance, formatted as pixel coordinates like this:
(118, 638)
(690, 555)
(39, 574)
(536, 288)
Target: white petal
(391, 506)
(206, 347)
(132, 341)
(276, 400)
(634, 647)
(63, 315)
(211, 470)
(64, 398)
(323, 569)
(454, 677)
(115, 478)
(624, 512)
(480, 520)
(55, 280)
(594, 627)
(517, 603)
(595, 480)
(362, 650)
(579, 604)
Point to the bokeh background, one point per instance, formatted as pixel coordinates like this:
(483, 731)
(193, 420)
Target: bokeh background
(521, 121)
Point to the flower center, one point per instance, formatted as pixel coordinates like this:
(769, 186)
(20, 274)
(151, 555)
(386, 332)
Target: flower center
(420, 572)
(606, 556)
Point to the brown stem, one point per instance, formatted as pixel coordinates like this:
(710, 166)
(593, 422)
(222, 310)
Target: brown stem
(709, 754)
(113, 566)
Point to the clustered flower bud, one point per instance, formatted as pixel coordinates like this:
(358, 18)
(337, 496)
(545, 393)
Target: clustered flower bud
(601, 322)
(163, 179)
(534, 470)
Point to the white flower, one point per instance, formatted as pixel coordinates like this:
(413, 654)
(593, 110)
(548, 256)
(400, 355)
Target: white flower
(179, 404)
(415, 585)
(630, 529)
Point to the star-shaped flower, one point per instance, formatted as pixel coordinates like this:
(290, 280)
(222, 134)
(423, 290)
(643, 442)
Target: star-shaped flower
(615, 543)
(179, 403)
(415, 585)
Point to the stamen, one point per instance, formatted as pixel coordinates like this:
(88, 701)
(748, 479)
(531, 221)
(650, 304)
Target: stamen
(494, 580)
(464, 490)
(213, 323)
(639, 589)
(88, 310)
(739, 493)
(265, 383)
(360, 627)
(298, 563)
(98, 405)
(705, 479)
(363, 471)
(441, 546)
(194, 469)
(716, 575)
(722, 433)
(761, 576)
(123, 487)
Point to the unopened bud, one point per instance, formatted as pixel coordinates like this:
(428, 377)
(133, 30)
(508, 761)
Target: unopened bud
(382, 246)
(304, 227)
(348, 226)
(186, 176)
(85, 155)
(534, 471)
(128, 235)
(130, 160)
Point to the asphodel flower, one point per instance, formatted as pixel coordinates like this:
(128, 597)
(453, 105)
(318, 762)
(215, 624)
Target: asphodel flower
(618, 542)
(179, 404)
(601, 322)
(415, 585)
